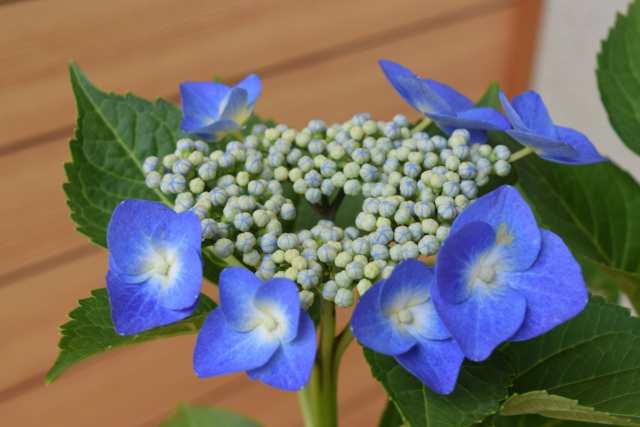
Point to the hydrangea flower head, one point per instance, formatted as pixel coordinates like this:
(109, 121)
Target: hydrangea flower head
(259, 328)
(155, 268)
(396, 317)
(499, 277)
(448, 108)
(533, 127)
(212, 109)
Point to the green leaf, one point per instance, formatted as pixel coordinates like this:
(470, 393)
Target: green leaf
(196, 416)
(114, 134)
(480, 390)
(540, 402)
(618, 74)
(390, 417)
(593, 359)
(90, 331)
(491, 97)
(348, 210)
(595, 209)
(536, 421)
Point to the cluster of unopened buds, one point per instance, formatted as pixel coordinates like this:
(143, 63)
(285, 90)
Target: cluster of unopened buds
(409, 195)
(413, 186)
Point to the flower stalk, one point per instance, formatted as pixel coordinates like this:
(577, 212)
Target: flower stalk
(319, 399)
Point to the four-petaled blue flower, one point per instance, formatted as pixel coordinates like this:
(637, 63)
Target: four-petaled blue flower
(533, 127)
(211, 109)
(501, 278)
(448, 108)
(259, 328)
(397, 317)
(155, 268)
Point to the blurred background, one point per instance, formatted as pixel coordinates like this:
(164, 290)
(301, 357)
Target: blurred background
(317, 59)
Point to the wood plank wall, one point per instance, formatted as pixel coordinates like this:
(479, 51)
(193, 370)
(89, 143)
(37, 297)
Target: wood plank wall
(317, 59)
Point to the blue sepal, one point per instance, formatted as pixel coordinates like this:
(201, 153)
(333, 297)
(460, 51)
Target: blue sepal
(222, 350)
(376, 331)
(553, 287)
(134, 309)
(512, 220)
(290, 366)
(435, 363)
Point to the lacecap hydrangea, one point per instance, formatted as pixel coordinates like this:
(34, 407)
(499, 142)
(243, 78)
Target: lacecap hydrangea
(243, 196)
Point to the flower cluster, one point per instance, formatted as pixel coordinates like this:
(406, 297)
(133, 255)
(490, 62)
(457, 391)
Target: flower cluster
(413, 186)
(498, 277)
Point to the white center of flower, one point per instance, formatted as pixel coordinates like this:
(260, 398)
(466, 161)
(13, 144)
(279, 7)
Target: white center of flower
(405, 317)
(270, 323)
(162, 264)
(486, 268)
(487, 273)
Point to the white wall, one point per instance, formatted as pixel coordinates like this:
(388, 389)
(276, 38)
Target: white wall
(564, 73)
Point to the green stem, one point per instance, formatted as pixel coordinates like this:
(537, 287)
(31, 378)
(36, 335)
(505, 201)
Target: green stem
(319, 398)
(422, 125)
(342, 343)
(524, 152)
(328, 403)
(308, 397)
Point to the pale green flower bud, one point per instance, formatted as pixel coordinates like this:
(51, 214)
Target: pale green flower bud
(344, 298)
(196, 185)
(429, 226)
(371, 270)
(342, 259)
(363, 286)
(306, 299)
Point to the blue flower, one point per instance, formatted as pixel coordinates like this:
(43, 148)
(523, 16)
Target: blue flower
(258, 328)
(501, 278)
(155, 268)
(448, 108)
(533, 127)
(211, 109)
(397, 317)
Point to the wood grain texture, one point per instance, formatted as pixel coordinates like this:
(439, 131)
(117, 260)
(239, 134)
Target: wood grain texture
(316, 59)
(334, 90)
(150, 46)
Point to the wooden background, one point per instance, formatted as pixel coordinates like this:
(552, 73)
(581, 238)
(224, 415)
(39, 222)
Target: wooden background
(317, 59)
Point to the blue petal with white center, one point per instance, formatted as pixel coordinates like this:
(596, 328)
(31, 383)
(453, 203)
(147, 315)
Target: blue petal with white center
(220, 349)
(290, 367)
(533, 127)
(212, 109)
(511, 219)
(448, 108)
(135, 309)
(279, 300)
(237, 286)
(155, 263)
(396, 317)
(500, 278)
(259, 328)
(375, 330)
